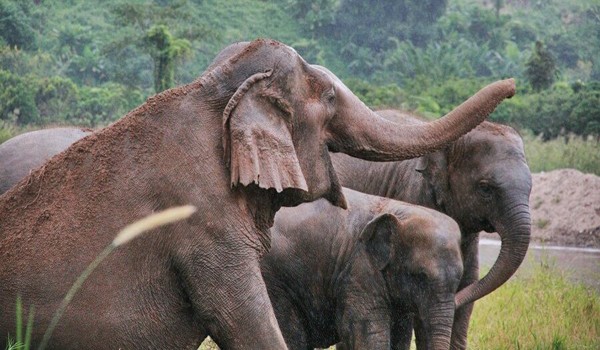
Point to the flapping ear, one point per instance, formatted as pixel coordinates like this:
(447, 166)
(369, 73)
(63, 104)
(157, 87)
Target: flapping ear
(256, 139)
(377, 239)
(434, 168)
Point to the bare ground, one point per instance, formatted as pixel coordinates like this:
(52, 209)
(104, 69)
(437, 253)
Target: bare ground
(565, 209)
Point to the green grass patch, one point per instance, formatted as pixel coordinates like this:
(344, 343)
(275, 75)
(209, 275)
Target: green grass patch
(570, 152)
(542, 223)
(7, 130)
(538, 310)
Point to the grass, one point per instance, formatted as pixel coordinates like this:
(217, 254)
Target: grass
(7, 130)
(542, 223)
(570, 152)
(538, 310)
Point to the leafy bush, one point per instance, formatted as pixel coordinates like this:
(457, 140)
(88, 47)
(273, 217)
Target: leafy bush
(56, 99)
(15, 25)
(559, 111)
(7, 130)
(105, 104)
(17, 98)
(376, 96)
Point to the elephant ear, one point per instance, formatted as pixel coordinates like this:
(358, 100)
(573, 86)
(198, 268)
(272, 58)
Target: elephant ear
(257, 142)
(434, 168)
(376, 237)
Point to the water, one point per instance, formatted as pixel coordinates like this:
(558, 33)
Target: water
(580, 265)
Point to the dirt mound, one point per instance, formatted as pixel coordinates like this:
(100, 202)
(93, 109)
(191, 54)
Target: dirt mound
(565, 208)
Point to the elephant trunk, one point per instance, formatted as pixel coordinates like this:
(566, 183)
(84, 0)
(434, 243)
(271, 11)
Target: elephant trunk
(436, 328)
(515, 233)
(363, 134)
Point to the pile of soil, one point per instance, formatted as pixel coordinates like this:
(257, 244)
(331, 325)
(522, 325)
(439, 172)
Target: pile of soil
(565, 209)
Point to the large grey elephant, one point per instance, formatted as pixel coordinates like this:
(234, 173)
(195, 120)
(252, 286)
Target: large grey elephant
(23, 153)
(251, 135)
(346, 276)
(481, 180)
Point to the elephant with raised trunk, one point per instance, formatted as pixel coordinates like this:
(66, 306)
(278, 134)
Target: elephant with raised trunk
(249, 136)
(481, 180)
(347, 276)
(23, 153)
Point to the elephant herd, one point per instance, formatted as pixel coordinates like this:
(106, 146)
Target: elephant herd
(357, 266)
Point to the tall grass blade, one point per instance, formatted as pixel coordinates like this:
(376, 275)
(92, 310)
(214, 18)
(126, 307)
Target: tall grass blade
(19, 321)
(29, 329)
(125, 235)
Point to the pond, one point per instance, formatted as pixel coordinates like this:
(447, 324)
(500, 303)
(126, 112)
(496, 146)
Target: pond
(580, 265)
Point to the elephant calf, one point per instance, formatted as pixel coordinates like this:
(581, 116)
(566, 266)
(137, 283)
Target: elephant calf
(348, 276)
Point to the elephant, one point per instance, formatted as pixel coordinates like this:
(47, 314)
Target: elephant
(345, 276)
(249, 136)
(23, 153)
(482, 181)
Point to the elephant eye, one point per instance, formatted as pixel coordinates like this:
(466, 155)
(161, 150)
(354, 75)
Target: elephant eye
(330, 95)
(485, 188)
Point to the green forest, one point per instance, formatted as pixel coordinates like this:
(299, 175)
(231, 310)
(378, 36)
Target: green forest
(83, 62)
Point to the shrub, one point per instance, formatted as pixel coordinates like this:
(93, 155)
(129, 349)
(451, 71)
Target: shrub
(7, 130)
(56, 99)
(377, 96)
(17, 98)
(105, 104)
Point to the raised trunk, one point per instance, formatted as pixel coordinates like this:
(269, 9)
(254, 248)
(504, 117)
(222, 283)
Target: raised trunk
(368, 136)
(515, 233)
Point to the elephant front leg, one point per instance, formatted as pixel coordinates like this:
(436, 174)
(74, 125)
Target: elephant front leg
(230, 299)
(462, 316)
(290, 321)
(402, 331)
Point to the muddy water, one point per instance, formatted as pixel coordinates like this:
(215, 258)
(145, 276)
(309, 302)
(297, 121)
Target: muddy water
(580, 265)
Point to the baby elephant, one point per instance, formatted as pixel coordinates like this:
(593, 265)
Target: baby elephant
(351, 276)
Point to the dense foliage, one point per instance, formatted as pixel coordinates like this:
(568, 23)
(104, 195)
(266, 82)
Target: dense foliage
(84, 62)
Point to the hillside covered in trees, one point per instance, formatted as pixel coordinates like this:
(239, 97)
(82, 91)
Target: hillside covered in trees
(88, 62)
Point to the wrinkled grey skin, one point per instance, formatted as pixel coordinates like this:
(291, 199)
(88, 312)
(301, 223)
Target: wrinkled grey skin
(482, 181)
(251, 135)
(346, 276)
(23, 153)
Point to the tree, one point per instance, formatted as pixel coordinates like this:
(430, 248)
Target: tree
(15, 26)
(372, 23)
(17, 98)
(135, 23)
(164, 50)
(314, 16)
(540, 68)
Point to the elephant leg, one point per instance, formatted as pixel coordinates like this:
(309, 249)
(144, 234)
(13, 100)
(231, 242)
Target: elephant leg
(229, 297)
(290, 322)
(420, 335)
(402, 330)
(462, 316)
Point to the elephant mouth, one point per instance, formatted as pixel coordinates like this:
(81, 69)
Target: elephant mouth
(486, 226)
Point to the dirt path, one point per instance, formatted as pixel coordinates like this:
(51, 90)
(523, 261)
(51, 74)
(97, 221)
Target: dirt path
(565, 209)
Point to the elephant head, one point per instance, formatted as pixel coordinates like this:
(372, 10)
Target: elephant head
(421, 262)
(483, 182)
(283, 115)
